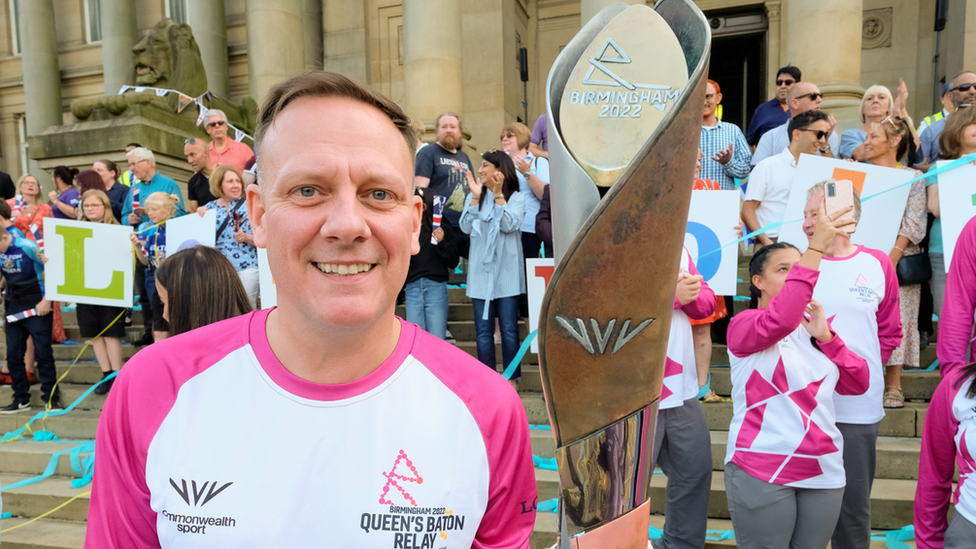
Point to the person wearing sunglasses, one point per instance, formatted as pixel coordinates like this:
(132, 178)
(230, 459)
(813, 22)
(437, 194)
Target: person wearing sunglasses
(772, 180)
(224, 150)
(776, 111)
(963, 90)
(805, 96)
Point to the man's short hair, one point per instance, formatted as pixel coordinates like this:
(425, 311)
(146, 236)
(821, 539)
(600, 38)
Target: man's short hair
(5, 210)
(946, 88)
(790, 70)
(795, 91)
(196, 141)
(803, 121)
(142, 153)
(718, 89)
(522, 133)
(956, 77)
(133, 144)
(437, 123)
(217, 112)
(328, 84)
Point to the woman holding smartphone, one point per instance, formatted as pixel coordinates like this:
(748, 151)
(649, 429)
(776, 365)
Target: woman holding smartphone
(784, 469)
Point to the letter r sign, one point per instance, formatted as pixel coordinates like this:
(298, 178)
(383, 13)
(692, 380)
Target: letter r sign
(89, 263)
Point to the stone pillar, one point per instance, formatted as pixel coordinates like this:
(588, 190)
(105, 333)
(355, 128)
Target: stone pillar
(312, 10)
(433, 81)
(825, 43)
(39, 55)
(119, 34)
(589, 8)
(773, 16)
(10, 146)
(275, 43)
(209, 23)
(344, 38)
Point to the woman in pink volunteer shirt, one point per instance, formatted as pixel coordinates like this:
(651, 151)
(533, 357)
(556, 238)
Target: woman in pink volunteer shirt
(784, 469)
(858, 289)
(949, 439)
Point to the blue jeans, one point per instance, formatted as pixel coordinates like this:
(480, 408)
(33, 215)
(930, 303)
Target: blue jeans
(427, 306)
(507, 311)
(39, 329)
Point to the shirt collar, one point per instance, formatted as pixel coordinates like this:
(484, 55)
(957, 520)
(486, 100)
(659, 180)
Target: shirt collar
(787, 156)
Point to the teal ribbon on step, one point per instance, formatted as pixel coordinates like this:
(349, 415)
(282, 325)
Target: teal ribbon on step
(895, 539)
(54, 413)
(52, 465)
(510, 370)
(549, 505)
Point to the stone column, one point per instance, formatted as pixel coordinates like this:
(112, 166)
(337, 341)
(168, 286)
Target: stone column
(773, 16)
(312, 10)
(209, 23)
(275, 43)
(825, 43)
(589, 8)
(344, 38)
(39, 55)
(119, 34)
(433, 81)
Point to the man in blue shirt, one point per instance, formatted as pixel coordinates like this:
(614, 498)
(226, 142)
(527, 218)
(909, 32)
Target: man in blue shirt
(774, 112)
(22, 266)
(963, 90)
(726, 151)
(142, 162)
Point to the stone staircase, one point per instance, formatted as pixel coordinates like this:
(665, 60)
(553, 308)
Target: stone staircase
(892, 497)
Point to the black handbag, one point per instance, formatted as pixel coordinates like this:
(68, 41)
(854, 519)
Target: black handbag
(913, 269)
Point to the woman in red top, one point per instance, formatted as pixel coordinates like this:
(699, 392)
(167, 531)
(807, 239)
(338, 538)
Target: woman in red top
(26, 209)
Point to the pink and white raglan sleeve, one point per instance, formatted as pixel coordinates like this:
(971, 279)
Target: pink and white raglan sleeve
(956, 322)
(855, 374)
(512, 495)
(756, 330)
(119, 514)
(704, 305)
(889, 310)
(936, 467)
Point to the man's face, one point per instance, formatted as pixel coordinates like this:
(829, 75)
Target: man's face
(449, 133)
(196, 155)
(336, 210)
(808, 140)
(216, 127)
(712, 99)
(784, 83)
(804, 101)
(143, 169)
(964, 90)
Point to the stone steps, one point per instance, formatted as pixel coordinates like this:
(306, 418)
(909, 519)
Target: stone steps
(76, 425)
(37, 499)
(43, 534)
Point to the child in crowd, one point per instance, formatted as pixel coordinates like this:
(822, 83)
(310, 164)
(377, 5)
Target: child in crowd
(150, 247)
(7, 223)
(429, 270)
(22, 267)
(784, 467)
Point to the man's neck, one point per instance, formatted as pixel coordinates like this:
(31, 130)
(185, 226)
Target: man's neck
(795, 151)
(452, 151)
(207, 170)
(710, 120)
(842, 247)
(220, 143)
(328, 354)
(146, 181)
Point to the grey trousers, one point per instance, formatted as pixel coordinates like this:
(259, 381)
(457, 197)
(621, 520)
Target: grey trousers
(771, 516)
(860, 457)
(683, 450)
(938, 282)
(961, 533)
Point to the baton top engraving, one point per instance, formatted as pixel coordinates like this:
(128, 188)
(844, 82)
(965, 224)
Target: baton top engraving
(620, 90)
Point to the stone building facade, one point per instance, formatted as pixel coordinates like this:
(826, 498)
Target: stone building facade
(460, 55)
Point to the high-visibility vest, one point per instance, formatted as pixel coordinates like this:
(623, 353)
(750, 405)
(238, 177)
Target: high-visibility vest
(928, 120)
(128, 178)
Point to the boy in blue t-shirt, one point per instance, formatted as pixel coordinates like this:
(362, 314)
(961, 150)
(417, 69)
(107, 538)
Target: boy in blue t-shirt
(22, 266)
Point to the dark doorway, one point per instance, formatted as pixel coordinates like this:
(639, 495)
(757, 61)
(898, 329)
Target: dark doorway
(738, 61)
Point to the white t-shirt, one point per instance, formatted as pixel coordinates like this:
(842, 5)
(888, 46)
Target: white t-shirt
(783, 428)
(680, 375)
(860, 294)
(208, 441)
(770, 184)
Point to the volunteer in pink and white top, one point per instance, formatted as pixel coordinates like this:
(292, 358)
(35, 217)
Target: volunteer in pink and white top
(858, 289)
(682, 431)
(948, 439)
(957, 341)
(326, 420)
(784, 472)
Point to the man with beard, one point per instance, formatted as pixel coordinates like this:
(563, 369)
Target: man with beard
(442, 167)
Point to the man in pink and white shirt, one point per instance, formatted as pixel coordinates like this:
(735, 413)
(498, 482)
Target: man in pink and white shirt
(328, 419)
(858, 289)
(957, 344)
(681, 435)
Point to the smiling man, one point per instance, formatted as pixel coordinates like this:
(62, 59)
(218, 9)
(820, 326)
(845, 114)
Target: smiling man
(328, 419)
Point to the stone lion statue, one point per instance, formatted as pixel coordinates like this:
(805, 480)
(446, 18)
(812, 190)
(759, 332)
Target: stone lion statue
(168, 57)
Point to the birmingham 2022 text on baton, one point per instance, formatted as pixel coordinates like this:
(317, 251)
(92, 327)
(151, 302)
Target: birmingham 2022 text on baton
(624, 99)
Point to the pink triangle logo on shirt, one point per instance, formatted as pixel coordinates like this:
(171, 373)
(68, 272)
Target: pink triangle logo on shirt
(393, 479)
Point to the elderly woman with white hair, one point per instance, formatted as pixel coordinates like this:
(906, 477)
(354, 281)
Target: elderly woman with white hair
(877, 105)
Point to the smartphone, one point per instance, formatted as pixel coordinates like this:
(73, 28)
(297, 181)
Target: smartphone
(839, 194)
